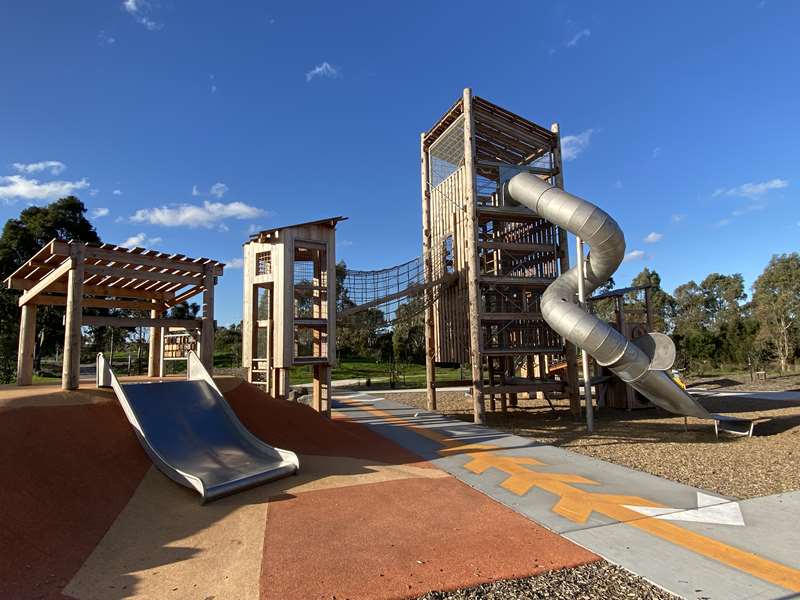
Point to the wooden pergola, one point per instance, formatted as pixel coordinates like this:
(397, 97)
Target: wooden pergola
(78, 275)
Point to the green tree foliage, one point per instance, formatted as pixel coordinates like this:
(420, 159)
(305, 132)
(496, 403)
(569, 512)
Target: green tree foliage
(22, 238)
(776, 302)
(408, 337)
(661, 303)
(712, 323)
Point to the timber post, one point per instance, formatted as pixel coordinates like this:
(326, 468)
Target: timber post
(473, 268)
(71, 367)
(27, 344)
(430, 340)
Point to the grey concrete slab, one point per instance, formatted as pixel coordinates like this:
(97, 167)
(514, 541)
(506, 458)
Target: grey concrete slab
(671, 564)
(675, 569)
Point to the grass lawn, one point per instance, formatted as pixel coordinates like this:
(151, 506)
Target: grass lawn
(408, 375)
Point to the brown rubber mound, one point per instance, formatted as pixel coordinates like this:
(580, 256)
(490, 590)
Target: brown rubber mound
(65, 473)
(298, 427)
(401, 539)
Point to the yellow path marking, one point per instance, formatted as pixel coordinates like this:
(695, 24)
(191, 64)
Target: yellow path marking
(577, 504)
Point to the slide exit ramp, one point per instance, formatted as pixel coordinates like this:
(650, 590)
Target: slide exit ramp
(193, 436)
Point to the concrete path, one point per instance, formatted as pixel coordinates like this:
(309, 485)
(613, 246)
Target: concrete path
(690, 542)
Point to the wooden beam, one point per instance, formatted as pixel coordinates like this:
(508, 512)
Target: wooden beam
(27, 344)
(183, 296)
(46, 282)
(511, 316)
(430, 333)
(95, 321)
(479, 410)
(512, 247)
(535, 282)
(47, 300)
(140, 274)
(155, 347)
(570, 353)
(71, 367)
(207, 322)
(159, 261)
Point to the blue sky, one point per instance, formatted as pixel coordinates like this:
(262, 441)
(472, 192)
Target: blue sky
(185, 125)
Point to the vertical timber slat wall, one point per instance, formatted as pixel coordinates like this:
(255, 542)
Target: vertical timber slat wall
(502, 256)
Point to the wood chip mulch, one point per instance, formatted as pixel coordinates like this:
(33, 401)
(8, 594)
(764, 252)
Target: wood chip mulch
(595, 580)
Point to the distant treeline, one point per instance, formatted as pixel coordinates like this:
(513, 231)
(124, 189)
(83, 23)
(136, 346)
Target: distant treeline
(714, 323)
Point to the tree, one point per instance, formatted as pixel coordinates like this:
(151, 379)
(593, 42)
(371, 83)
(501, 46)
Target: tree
(661, 303)
(22, 238)
(408, 337)
(722, 298)
(776, 302)
(184, 310)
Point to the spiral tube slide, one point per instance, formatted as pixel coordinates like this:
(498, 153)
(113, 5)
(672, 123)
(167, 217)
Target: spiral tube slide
(627, 359)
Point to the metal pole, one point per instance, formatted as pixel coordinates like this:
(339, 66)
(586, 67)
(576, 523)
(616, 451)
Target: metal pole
(587, 386)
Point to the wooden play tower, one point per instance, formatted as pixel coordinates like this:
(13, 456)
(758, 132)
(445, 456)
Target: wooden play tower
(289, 316)
(501, 256)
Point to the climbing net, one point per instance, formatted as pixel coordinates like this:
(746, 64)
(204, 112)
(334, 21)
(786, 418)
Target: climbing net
(385, 289)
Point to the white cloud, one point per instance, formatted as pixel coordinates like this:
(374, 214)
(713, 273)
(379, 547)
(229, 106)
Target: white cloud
(140, 240)
(192, 215)
(344, 243)
(195, 191)
(117, 192)
(218, 189)
(104, 39)
(573, 41)
(633, 255)
(17, 186)
(100, 212)
(748, 209)
(653, 237)
(323, 70)
(656, 151)
(723, 222)
(573, 145)
(751, 190)
(677, 217)
(93, 192)
(234, 263)
(55, 167)
(138, 9)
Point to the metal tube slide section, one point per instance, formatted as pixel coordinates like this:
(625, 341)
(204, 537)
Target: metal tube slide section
(193, 436)
(607, 248)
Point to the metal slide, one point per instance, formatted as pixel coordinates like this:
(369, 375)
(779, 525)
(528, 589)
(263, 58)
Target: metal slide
(643, 363)
(193, 436)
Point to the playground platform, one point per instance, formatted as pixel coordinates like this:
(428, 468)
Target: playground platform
(390, 503)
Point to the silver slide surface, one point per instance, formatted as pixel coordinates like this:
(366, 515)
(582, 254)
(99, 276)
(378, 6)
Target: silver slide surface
(193, 436)
(642, 364)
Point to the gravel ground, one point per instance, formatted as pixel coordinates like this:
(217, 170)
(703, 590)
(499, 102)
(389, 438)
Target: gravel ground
(596, 580)
(655, 441)
(742, 383)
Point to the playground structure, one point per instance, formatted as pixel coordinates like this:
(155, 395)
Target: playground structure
(82, 276)
(502, 254)
(495, 279)
(193, 436)
(289, 314)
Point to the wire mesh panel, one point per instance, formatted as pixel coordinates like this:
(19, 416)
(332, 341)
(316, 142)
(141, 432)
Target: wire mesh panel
(447, 153)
